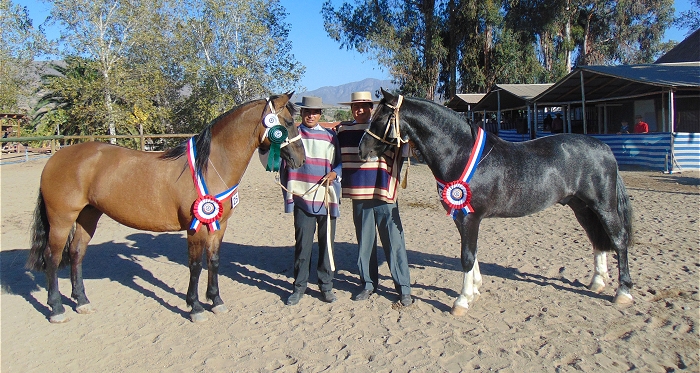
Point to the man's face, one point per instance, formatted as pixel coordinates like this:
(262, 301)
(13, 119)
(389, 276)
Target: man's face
(361, 111)
(310, 117)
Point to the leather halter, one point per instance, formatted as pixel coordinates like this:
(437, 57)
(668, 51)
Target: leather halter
(392, 123)
(272, 111)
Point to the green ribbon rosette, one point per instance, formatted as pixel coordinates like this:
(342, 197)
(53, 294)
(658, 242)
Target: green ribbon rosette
(277, 135)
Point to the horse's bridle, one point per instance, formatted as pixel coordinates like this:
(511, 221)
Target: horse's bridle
(393, 122)
(287, 141)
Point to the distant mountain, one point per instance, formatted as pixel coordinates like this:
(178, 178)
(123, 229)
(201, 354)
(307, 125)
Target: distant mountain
(333, 95)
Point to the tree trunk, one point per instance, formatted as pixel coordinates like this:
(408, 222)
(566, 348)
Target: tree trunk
(452, 52)
(111, 123)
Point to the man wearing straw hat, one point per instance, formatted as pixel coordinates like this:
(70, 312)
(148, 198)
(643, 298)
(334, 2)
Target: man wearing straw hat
(372, 186)
(312, 194)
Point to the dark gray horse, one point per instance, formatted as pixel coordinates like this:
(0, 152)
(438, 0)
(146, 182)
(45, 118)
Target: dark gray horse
(481, 176)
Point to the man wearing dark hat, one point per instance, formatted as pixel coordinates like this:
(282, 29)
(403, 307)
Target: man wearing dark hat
(307, 199)
(372, 186)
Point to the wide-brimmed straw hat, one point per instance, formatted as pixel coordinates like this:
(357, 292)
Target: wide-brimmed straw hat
(311, 102)
(362, 96)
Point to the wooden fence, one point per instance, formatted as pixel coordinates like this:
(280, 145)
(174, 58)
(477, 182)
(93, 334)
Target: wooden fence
(22, 144)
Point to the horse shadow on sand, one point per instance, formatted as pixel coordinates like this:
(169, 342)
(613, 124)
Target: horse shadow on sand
(420, 260)
(266, 268)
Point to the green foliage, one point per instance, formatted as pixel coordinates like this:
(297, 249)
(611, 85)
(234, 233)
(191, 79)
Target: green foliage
(20, 43)
(163, 66)
(72, 100)
(237, 50)
(342, 115)
(469, 45)
(690, 19)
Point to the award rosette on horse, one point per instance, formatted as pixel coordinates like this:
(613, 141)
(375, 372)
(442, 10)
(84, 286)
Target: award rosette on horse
(457, 195)
(277, 134)
(207, 209)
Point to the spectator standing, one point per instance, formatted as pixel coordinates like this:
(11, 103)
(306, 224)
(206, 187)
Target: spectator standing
(305, 196)
(547, 122)
(557, 124)
(372, 186)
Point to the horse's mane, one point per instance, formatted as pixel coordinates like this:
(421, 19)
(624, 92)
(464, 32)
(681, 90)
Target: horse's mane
(202, 140)
(451, 120)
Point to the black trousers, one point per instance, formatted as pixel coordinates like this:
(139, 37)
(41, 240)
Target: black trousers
(304, 229)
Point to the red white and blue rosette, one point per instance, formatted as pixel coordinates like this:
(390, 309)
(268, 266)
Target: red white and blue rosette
(207, 209)
(457, 195)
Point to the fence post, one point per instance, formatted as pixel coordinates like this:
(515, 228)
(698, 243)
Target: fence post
(143, 141)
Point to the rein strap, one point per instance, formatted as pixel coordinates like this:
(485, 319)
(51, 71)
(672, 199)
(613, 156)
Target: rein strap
(394, 122)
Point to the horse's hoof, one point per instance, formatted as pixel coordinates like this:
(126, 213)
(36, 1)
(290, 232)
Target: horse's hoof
(58, 319)
(596, 287)
(85, 309)
(477, 295)
(198, 317)
(458, 311)
(220, 309)
(622, 298)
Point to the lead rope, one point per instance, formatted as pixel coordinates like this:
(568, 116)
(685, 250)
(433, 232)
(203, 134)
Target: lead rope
(329, 242)
(404, 181)
(397, 129)
(327, 183)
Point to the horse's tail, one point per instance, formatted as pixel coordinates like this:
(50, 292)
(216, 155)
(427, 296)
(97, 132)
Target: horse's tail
(624, 210)
(40, 239)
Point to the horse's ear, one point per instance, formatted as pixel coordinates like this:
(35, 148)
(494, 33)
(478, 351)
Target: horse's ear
(289, 95)
(388, 97)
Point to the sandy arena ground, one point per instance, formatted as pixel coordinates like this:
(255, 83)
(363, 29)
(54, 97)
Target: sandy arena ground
(535, 313)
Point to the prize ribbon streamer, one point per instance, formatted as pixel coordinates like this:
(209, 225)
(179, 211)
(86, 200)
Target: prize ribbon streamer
(277, 134)
(207, 209)
(457, 194)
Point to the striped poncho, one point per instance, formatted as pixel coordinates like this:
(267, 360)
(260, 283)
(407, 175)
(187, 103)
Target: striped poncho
(374, 179)
(322, 157)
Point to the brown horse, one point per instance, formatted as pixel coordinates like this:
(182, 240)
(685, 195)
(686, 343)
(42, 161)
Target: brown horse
(151, 191)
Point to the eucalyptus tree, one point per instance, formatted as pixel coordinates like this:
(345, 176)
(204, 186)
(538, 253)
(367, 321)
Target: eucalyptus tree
(469, 45)
(621, 32)
(106, 31)
(404, 36)
(234, 51)
(20, 43)
(689, 19)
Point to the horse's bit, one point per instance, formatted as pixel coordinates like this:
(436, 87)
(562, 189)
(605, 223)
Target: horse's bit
(392, 123)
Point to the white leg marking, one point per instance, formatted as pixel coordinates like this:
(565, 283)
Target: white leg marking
(623, 297)
(467, 294)
(477, 276)
(600, 275)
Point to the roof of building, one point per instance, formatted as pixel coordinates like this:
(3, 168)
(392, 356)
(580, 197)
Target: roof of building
(686, 51)
(603, 83)
(512, 96)
(462, 102)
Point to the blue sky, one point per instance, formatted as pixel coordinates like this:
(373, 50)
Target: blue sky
(326, 64)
